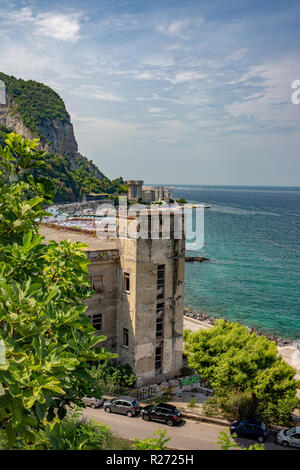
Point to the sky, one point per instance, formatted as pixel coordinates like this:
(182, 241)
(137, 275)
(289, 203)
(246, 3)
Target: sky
(175, 92)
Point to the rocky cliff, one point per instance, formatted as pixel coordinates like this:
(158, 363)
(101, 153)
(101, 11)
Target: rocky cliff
(33, 109)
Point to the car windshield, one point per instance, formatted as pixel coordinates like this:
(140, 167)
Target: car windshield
(290, 431)
(263, 426)
(135, 403)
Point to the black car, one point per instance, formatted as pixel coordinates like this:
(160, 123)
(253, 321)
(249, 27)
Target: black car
(250, 428)
(163, 412)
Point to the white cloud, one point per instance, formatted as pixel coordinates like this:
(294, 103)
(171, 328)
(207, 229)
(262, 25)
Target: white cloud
(90, 91)
(236, 55)
(155, 110)
(272, 104)
(179, 28)
(103, 125)
(158, 61)
(106, 96)
(186, 77)
(60, 26)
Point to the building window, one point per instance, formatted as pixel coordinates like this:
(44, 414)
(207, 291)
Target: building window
(97, 321)
(158, 357)
(97, 283)
(126, 282)
(159, 320)
(161, 281)
(159, 327)
(125, 337)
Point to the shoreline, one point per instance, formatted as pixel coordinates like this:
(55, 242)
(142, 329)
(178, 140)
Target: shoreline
(203, 318)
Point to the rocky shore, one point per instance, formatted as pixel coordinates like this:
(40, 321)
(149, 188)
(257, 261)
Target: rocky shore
(190, 259)
(204, 318)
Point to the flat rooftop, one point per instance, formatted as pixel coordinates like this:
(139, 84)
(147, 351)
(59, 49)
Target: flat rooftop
(94, 243)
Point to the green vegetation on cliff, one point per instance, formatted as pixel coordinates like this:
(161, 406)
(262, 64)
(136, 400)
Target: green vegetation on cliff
(35, 102)
(71, 184)
(72, 177)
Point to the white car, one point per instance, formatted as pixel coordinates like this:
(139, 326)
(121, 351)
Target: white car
(93, 402)
(289, 437)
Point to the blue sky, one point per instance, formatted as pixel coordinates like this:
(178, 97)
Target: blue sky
(194, 92)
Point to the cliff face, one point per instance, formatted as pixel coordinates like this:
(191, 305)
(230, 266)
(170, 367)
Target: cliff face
(60, 134)
(57, 136)
(10, 118)
(33, 109)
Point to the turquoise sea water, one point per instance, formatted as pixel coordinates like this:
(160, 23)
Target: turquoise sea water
(252, 237)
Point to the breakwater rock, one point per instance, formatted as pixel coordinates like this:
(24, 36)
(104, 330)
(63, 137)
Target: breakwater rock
(190, 259)
(203, 317)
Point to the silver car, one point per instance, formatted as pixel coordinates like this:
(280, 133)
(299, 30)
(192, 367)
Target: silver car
(122, 405)
(289, 437)
(93, 402)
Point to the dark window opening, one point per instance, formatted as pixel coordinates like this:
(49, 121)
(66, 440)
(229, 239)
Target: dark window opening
(158, 357)
(159, 327)
(125, 337)
(161, 281)
(97, 283)
(97, 321)
(159, 320)
(126, 282)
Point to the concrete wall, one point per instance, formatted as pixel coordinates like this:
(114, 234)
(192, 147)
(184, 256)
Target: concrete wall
(137, 309)
(105, 263)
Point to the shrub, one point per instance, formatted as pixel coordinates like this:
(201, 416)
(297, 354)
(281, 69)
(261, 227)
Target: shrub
(112, 375)
(240, 400)
(153, 443)
(192, 403)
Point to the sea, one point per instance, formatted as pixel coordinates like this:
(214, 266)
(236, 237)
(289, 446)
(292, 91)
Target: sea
(252, 239)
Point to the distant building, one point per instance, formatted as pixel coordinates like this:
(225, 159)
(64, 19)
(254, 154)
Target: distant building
(138, 192)
(157, 193)
(163, 193)
(135, 192)
(149, 194)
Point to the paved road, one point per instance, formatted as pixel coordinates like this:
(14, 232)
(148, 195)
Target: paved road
(187, 435)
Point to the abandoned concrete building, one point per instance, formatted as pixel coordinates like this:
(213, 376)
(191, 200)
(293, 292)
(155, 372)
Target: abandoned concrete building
(138, 302)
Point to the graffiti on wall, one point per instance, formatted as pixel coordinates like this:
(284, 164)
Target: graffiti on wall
(172, 387)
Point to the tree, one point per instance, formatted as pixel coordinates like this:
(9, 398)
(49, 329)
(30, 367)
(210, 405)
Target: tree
(109, 373)
(234, 360)
(226, 442)
(153, 443)
(47, 336)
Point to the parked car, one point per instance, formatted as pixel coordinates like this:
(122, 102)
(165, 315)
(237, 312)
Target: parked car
(93, 402)
(250, 428)
(289, 437)
(122, 405)
(163, 412)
